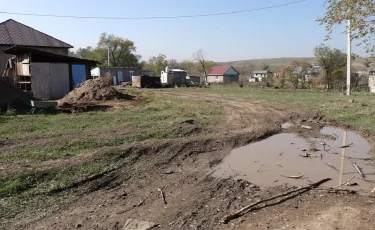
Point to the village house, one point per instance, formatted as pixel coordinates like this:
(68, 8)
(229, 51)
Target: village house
(13, 33)
(38, 63)
(258, 75)
(223, 74)
(45, 75)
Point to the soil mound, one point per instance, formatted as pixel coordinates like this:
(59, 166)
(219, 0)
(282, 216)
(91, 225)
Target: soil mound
(98, 89)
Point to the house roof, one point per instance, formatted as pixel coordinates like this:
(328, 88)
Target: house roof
(43, 56)
(219, 70)
(262, 71)
(15, 33)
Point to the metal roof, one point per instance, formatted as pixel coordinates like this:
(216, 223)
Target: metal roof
(15, 33)
(219, 70)
(50, 57)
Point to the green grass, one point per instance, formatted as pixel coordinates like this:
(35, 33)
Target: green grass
(360, 114)
(49, 137)
(28, 140)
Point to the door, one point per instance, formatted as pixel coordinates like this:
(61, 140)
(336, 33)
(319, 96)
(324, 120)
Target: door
(131, 74)
(120, 77)
(78, 74)
(59, 73)
(41, 81)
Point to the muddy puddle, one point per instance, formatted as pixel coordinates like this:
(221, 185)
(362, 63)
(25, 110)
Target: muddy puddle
(272, 161)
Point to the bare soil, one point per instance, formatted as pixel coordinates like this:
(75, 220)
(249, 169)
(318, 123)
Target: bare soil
(182, 169)
(98, 89)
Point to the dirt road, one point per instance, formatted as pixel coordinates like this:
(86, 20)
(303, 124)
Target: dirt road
(181, 169)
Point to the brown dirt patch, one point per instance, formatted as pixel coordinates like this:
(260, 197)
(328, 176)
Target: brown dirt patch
(195, 200)
(98, 89)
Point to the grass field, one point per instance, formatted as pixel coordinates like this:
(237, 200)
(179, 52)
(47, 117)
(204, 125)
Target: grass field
(35, 149)
(360, 114)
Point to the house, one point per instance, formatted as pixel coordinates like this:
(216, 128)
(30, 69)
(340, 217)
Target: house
(13, 33)
(44, 74)
(119, 74)
(223, 74)
(260, 74)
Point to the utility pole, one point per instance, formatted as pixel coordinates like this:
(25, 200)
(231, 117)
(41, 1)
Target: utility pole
(348, 61)
(108, 54)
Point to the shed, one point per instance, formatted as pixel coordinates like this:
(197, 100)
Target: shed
(120, 74)
(223, 74)
(193, 80)
(46, 75)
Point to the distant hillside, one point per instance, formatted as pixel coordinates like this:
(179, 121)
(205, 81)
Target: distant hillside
(360, 64)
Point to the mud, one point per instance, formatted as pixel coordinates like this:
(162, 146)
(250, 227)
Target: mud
(274, 160)
(184, 167)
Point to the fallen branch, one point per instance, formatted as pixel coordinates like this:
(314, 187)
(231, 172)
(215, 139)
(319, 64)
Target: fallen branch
(279, 165)
(345, 183)
(358, 170)
(336, 190)
(245, 209)
(260, 168)
(332, 167)
(373, 191)
(346, 146)
(294, 177)
(162, 195)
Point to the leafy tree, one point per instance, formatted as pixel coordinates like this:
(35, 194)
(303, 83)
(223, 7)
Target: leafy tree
(246, 69)
(265, 66)
(189, 66)
(360, 12)
(121, 51)
(330, 60)
(156, 64)
(173, 64)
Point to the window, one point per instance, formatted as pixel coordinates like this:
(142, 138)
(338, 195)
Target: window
(217, 77)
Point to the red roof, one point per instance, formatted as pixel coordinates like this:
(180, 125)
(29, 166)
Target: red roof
(219, 70)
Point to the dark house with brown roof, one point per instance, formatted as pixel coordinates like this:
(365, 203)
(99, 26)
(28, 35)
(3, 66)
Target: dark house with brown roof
(13, 33)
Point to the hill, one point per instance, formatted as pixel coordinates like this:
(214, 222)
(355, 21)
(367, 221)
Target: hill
(359, 64)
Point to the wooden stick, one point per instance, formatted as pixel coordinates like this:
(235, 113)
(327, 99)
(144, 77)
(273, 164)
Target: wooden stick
(332, 167)
(260, 168)
(294, 177)
(240, 212)
(358, 170)
(162, 195)
(344, 183)
(346, 146)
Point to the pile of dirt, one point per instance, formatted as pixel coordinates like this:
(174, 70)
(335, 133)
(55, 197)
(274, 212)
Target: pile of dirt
(11, 95)
(98, 89)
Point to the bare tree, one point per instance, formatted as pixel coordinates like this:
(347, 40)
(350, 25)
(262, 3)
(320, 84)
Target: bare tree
(199, 57)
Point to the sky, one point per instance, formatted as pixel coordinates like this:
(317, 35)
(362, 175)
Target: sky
(289, 31)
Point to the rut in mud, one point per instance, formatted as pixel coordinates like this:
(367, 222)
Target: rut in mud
(183, 170)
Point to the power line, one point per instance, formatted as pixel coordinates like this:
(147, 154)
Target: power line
(152, 17)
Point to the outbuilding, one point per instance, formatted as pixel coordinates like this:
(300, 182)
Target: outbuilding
(46, 75)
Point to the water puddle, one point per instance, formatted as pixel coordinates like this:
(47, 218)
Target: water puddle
(272, 161)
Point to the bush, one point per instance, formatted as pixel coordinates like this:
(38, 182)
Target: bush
(10, 111)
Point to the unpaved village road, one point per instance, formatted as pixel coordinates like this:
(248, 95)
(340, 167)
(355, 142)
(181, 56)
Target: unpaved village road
(195, 199)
